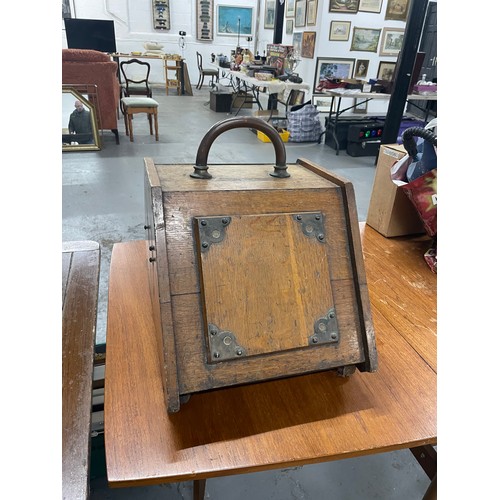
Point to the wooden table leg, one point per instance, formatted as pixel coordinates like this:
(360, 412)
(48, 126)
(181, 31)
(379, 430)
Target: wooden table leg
(199, 489)
(155, 114)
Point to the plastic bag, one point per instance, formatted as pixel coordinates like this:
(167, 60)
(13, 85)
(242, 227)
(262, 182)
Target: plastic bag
(304, 124)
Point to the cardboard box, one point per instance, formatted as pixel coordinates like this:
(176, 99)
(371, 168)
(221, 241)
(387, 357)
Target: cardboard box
(391, 212)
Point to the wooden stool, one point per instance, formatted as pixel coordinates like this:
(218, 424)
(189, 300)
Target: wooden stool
(133, 105)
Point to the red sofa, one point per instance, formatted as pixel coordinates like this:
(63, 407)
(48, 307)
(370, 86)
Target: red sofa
(92, 67)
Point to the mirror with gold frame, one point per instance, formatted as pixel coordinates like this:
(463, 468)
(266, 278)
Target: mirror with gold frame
(79, 121)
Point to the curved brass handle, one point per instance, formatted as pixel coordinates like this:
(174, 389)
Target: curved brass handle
(201, 168)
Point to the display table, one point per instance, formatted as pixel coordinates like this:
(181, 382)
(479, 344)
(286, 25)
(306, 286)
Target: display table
(277, 424)
(252, 87)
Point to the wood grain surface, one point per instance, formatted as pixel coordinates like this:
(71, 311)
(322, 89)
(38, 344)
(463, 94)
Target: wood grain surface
(80, 276)
(275, 424)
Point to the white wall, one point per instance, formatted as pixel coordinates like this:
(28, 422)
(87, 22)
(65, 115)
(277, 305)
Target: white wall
(134, 26)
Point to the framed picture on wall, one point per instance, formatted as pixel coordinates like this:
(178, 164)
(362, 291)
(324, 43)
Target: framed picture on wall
(331, 68)
(204, 19)
(232, 20)
(290, 8)
(308, 43)
(300, 13)
(297, 42)
(386, 70)
(345, 6)
(370, 6)
(340, 30)
(289, 26)
(270, 14)
(396, 10)
(392, 41)
(365, 39)
(312, 11)
(361, 68)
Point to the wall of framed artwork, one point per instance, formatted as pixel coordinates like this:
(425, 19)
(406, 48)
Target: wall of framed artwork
(211, 28)
(340, 30)
(392, 41)
(308, 44)
(365, 39)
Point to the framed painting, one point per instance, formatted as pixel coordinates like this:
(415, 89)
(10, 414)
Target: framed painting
(386, 70)
(344, 6)
(396, 10)
(297, 42)
(289, 26)
(205, 20)
(308, 43)
(392, 41)
(361, 68)
(323, 103)
(365, 39)
(290, 8)
(374, 6)
(340, 30)
(234, 21)
(270, 14)
(360, 106)
(331, 68)
(300, 13)
(312, 12)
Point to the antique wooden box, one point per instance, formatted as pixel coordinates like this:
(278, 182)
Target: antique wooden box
(256, 271)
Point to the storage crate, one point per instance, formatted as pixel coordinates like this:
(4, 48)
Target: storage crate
(264, 138)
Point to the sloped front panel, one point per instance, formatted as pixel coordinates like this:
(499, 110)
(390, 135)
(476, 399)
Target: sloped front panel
(265, 284)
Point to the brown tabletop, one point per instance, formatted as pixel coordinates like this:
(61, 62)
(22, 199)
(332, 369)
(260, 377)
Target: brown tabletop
(289, 422)
(80, 283)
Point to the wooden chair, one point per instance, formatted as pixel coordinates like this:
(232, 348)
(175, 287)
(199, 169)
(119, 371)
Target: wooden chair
(136, 76)
(214, 73)
(134, 105)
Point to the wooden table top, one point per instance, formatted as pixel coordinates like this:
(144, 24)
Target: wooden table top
(80, 284)
(277, 424)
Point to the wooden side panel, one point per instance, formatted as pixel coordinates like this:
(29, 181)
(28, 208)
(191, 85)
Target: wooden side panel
(159, 284)
(79, 312)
